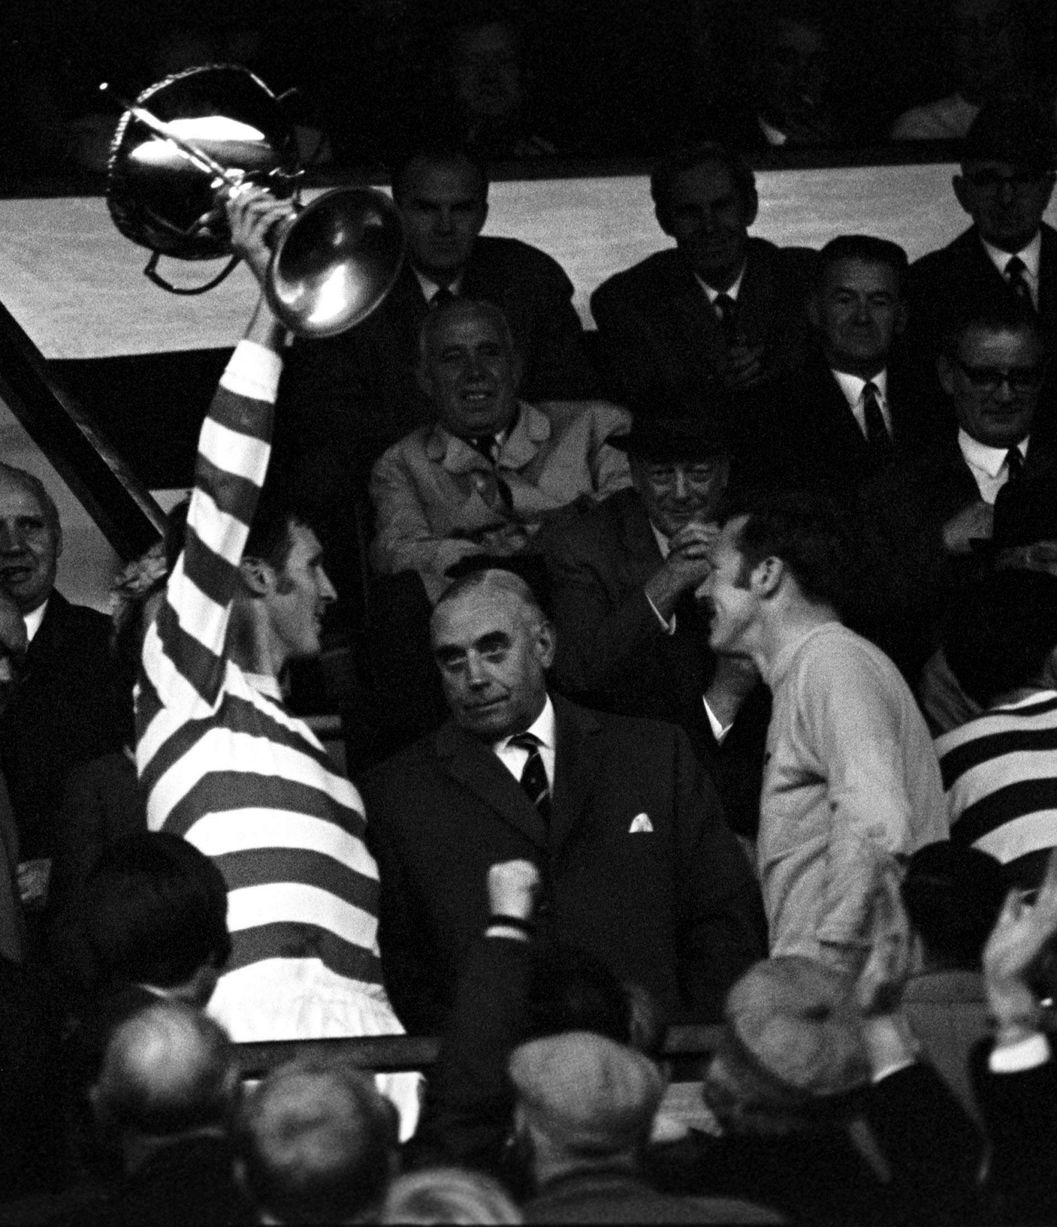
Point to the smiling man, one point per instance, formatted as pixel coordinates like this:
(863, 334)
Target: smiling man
(851, 777)
(720, 309)
(927, 515)
(65, 711)
(636, 864)
(491, 469)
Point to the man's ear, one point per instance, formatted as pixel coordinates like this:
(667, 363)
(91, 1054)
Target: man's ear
(900, 324)
(258, 576)
(58, 542)
(545, 644)
(767, 576)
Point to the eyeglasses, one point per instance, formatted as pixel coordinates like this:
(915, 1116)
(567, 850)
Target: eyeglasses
(991, 182)
(990, 378)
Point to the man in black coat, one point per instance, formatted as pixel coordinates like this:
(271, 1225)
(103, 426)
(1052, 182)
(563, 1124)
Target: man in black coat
(638, 866)
(853, 405)
(1009, 252)
(64, 710)
(720, 310)
(631, 637)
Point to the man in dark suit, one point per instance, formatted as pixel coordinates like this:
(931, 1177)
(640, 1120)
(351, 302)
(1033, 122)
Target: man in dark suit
(849, 409)
(1005, 184)
(720, 309)
(63, 711)
(925, 517)
(638, 866)
(631, 639)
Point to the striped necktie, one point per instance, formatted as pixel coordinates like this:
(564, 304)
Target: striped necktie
(877, 436)
(1014, 465)
(1018, 283)
(534, 774)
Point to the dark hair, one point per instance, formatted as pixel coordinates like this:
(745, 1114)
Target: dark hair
(952, 895)
(999, 634)
(1006, 314)
(665, 172)
(808, 533)
(153, 911)
(867, 248)
(282, 503)
(316, 1155)
(437, 153)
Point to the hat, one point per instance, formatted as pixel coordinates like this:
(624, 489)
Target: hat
(675, 438)
(587, 1092)
(793, 1020)
(1018, 131)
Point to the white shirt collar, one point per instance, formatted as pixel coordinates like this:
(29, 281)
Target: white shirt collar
(430, 287)
(733, 291)
(663, 542)
(988, 459)
(266, 684)
(543, 728)
(852, 385)
(33, 620)
(1031, 256)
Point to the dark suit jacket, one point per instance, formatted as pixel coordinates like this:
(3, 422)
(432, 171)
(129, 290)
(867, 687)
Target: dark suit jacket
(808, 435)
(64, 712)
(660, 337)
(911, 577)
(354, 394)
(675, 908)
(614, 655)
(943, 284)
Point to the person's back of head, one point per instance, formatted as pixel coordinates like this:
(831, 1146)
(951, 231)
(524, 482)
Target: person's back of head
(1002, 637)
(952, 895)
(153, 911)
(316, 1143)
(448, 1195)
(168, 1070)
(583, 1099)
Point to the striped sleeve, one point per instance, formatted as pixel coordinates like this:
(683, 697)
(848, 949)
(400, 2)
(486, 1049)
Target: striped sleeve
(183, 654)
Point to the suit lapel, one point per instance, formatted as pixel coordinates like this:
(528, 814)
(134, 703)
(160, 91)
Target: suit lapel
(473, 765)
(576, 766)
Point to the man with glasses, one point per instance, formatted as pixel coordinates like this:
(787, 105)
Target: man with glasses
(1006, 180)
(929, 516)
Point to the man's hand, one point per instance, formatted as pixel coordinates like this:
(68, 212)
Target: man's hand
(744, 366)
(686, 568)
(252, 212)
(1016, 942)
(973, 522)
(513, 888)
(879, 987)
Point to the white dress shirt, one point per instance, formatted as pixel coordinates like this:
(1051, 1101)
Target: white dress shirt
(711, 293)
(33, 620)
(1030, 257)
(988, 464)
(853, 387)
(430, 287)
(514, 758)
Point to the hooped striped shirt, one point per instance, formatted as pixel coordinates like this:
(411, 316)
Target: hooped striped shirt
(222, 762)
(1000, 776)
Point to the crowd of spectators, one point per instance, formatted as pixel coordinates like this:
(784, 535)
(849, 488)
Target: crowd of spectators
(524, 80)
(701, 670)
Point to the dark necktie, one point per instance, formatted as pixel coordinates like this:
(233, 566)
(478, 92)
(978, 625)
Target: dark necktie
(727, 310)
(877, 436)
(488, 447)
(1018, 283)
(534, 774)
(440, 296)
(1014, 465)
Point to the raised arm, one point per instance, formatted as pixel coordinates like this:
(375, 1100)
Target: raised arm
(183, 655)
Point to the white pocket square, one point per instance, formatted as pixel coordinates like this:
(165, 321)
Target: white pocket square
(641, 822)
